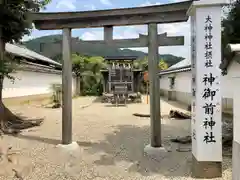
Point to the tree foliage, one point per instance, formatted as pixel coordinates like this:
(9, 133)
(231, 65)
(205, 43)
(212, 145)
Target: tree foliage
(88, 71)
(231, 24)
(143, 64)
(14, 22)
(162, 65)
(79, 64)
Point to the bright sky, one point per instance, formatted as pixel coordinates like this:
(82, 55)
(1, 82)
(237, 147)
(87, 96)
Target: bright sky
(176, 29)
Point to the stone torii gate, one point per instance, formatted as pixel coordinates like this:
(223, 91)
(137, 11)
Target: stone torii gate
(206, 55)
(152, 15)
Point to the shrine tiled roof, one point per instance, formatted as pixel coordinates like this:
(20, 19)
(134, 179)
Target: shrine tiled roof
(112, 58)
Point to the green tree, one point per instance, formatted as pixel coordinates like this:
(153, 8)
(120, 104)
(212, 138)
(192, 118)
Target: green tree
(96, 64)
(14, 24)
(141, 64)
(162, 65)
(88, 75)
(230, 31)
(231, 24)
(92, 79)
(79, 66)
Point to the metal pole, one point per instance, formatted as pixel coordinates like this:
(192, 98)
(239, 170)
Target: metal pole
(154, 85)
(67, 88)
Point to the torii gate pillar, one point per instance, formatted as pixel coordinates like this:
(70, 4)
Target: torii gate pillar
(154, 86)
(67, 88)
(155, 147)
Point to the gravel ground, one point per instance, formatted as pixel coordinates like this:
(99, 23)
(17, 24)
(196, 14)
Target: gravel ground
(111, 144)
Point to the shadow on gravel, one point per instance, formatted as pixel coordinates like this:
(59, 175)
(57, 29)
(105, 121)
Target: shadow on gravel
(127, 144)
(51, 141)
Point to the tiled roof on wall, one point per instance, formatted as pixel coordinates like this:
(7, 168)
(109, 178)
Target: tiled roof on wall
(229, 54)
(182, 66)
(183, 63)
(175, 70)
(26, 53)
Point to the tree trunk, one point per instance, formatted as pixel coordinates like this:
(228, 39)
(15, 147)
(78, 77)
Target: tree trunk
(2, 112)
(10, 123)
(2, 50)
(78, 85)
(5, 113)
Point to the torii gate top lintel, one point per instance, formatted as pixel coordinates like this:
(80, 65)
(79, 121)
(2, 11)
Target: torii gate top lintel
(166, 13)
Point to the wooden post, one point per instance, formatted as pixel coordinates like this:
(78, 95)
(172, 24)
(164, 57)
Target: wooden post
(104, 83)
(78, 85)
(121, 73)
(132, 79)
(147, 91)
(67, 88)
(146, 80)
(154, 85)
(108, 34)
(108, 37)
(109, 78)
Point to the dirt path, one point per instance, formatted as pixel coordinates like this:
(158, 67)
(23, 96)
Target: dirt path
(111, 143)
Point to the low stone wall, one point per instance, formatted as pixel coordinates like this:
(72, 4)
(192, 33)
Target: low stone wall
(185, 98)
(227, 104)
(164, 93)
(26, 99)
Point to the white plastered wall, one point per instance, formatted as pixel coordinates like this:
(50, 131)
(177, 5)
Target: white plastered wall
(30, 83)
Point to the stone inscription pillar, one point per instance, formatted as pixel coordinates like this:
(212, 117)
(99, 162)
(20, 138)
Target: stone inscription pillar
(206, 92)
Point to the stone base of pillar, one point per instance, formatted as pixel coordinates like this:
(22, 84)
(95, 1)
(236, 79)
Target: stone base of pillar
(156, 152)
(69, 147)
(206, 170)
(236, 160)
